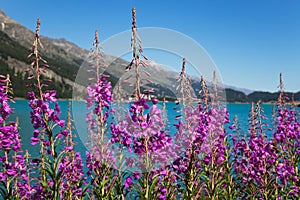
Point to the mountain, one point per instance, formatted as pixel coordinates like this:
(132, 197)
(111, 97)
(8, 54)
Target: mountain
(68, 64)
(64, 59)
(244, 90)
(235, 96)
(271, 96)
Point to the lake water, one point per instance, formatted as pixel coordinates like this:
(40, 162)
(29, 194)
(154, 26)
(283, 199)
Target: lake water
(79, 113)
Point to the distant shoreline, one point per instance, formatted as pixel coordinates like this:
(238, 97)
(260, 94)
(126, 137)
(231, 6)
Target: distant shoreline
(60, 99)
(297, 103)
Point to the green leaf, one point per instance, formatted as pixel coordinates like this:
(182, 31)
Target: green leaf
(50, 172)
(58, 176)
(3, 191)
(58, 161)
(84, 190)
(152, 186)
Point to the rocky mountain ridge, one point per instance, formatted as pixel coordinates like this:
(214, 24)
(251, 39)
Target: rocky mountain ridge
(66, 58)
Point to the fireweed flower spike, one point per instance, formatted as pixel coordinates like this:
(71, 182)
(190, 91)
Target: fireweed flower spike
(191, 133)
(287, 143)
(100, 160)
(73, 184)
(217, 166)
(137, 54)
(185, 136)
(14, 182)
(142, 132)
(36, 119)
(45, 116)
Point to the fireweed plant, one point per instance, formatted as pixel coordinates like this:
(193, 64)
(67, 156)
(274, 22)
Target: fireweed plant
(73, 180)
(105, 182)
(202, 159)
(286, 141)
(14, 179)
(142, 134)
(57, 179)
(136, 156)
(254, 159)
(268, 168)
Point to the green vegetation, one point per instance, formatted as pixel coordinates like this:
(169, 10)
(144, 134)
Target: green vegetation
(235, 96)
(271, 97)
(12, 49)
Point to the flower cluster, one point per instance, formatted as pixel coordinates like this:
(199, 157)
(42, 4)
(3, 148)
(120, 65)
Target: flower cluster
(259, 161)
(149, 139)
(191, 135)
(99, 94)
(13, 171)
(72, 175)
(42, 115)
(5, 109)
(98, 99)
(287, 142)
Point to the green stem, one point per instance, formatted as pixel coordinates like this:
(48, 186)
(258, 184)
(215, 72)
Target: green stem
(147, 170)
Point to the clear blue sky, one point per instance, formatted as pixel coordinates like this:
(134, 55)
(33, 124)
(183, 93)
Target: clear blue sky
(251, 42)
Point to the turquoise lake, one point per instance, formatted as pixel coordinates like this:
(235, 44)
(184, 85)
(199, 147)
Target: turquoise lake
(22, 111)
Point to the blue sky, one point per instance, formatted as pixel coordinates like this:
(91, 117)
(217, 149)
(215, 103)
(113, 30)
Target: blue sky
(251, 42)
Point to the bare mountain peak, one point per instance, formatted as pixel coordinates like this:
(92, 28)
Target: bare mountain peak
(5, 18)
(59, 49)
(2, 14)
